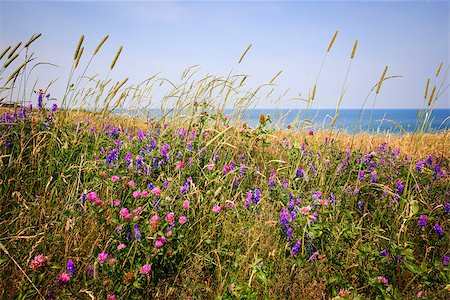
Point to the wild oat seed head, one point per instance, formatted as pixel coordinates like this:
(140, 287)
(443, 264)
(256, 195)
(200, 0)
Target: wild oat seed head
(332, 40)
(80, 42)
(115, 58)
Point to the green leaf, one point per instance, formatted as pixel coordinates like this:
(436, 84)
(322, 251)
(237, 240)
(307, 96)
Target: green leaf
(3, 259)
(414, 207)
(412, 267)
(137, 285)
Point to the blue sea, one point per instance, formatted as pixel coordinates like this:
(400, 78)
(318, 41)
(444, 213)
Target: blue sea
(353, 120)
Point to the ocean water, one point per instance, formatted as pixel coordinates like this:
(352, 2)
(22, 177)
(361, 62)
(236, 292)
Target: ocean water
(396, 121)
(353, 120)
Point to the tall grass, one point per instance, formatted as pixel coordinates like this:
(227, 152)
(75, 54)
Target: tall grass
(195, 203)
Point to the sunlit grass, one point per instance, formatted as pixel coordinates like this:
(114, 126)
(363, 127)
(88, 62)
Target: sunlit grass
(194, 203)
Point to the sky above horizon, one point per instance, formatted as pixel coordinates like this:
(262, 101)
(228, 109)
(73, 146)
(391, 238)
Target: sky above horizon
(412, 38)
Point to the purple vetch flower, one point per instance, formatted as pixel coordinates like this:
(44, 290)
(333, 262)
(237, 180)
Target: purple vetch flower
(332, 198)
(361, 175)
(317, 195)
(40, 96)
(137, 234)
(112, 156)
(360, 204)
(420, 165)
(299, 173)
(138, 163)
(272, 180)
(289, 233)
(70, 267)
(153, 144)
(400, 187)
(90, 270)
(383, 252)
(140, 135)
(446, 260)
(422, 221)
(374, 177)
(438, 229)
(83, 198)
(447, 206)
(128, 158)
(242, 169)
(296, 247)
(257, 196)
(285, 219)
(248, 200)
(54, 107)
(313, 256)
(235, 182)
(285, 183)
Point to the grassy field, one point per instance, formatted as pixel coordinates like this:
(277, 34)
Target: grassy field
(100, 206)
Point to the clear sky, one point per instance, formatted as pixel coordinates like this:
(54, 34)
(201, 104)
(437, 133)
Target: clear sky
(412, 38)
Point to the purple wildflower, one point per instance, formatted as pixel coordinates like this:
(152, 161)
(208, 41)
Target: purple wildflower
(313, 256)
(299, 173)
(137, 234)
(361, 175)
(272, 180)
(447, 206)
(446, 260)
(438, 229)
(70, 267)
(383, 252)
(249, 198)
(257, 196)
(90, 270)
(296, 247)
(400, 187)
(112, 156)
(422, 221)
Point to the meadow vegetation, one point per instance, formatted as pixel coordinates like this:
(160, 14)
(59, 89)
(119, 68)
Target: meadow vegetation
(195, 204)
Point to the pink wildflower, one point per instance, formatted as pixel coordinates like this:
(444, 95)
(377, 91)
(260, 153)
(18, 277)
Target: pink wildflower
(63, 278)
(383, 279)
(216, 209)
(102, 257)
(116, 202)
(170, 218)
(305, 210)
(115, 178)
(39, 262)
(112, 260)
(131, 183)
(179, 165)
(186, 204)
(144, 194)
(121, 246)
(92, 196)
(160, 242)
(169, 233)
(145, 270)
(111, 297)
(136, 194)
(156, 191)
(182, 219)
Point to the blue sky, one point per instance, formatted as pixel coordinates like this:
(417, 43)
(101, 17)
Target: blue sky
(412, 38)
